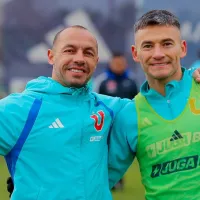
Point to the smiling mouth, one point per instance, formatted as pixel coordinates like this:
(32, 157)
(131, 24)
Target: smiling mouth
(77, 70)
(159, 64)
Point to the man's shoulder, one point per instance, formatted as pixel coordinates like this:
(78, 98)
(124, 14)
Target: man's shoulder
(16, 101)
(114, 103)
(109, 99)
(129, 108)
(127, 116)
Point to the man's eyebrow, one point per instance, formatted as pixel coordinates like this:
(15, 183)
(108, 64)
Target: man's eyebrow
(150, 42)
(90, 49)
(167, 40)
(146, 42)
(68, 46)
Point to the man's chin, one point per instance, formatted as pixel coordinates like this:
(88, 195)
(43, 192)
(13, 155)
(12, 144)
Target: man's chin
(78, 84)
(160, 77)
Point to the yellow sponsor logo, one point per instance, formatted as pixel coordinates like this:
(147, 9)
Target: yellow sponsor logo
(192, 103)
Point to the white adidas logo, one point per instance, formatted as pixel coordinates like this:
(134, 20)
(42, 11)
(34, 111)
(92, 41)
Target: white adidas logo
(56, 124)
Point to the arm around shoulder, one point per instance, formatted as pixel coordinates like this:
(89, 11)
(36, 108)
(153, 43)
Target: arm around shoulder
(122, 143)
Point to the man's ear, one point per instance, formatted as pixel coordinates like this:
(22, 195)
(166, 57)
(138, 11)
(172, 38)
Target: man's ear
(183, 49)
(97, 61)
(134, 53)
(50, 55)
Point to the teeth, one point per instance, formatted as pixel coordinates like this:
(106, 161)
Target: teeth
(76, 70)
(160, 64)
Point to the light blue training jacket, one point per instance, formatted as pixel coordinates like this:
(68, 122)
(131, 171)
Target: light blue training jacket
(124, 134)
(54, 140)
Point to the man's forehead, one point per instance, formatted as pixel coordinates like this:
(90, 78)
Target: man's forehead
(157, 33)
(78, 44)
(77, 37)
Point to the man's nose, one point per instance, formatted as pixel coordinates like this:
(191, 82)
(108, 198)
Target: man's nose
(158, 53)
(79, 57)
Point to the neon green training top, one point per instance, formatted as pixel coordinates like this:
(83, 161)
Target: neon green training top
(168, 151)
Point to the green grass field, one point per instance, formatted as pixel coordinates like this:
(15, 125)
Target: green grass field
(133, 189)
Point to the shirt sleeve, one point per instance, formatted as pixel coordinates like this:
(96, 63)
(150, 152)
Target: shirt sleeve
(12, 120)
(192, 69)
(122, 143)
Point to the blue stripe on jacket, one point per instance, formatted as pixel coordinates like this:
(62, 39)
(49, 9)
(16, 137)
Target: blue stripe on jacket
(12, 156)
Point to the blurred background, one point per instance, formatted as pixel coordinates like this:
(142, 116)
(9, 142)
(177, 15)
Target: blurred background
(27, 28)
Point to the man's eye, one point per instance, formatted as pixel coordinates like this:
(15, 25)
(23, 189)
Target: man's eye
(89, 53)
(69, 50)
(147, 46)
(167, 44)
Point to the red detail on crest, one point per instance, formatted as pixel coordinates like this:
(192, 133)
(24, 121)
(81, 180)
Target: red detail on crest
(98, 126)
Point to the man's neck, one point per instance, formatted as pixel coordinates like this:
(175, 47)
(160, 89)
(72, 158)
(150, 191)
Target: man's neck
(159, 85)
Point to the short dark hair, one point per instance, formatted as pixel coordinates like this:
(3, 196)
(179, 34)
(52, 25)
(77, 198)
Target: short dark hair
(74, 26)
(117, 54)
(157, 17)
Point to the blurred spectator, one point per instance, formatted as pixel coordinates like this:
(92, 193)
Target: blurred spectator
(116, 81)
